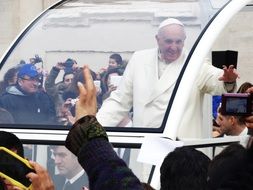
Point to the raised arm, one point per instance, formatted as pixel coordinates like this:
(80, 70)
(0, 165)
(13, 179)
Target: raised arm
(88, 140)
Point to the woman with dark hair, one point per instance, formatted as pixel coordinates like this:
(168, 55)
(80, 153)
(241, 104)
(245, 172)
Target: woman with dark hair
(244, 87)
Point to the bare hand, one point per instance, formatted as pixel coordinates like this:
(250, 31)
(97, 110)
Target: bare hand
(87, 103)
(41, 179)
(229, 75)
(60, 66)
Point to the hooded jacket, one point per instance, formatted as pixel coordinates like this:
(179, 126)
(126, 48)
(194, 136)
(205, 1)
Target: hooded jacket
(28, 108)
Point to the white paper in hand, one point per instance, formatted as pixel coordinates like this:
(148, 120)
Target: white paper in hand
(155, 149)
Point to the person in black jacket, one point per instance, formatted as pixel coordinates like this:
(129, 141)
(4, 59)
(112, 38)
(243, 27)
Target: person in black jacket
(26, 103)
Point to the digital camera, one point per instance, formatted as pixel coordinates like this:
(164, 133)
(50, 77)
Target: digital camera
(239, 104)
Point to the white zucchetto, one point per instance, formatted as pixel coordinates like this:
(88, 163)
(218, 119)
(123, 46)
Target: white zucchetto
(170, 21)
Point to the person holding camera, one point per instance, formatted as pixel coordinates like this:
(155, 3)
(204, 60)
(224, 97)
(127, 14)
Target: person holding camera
(56, 90)
(71, 94)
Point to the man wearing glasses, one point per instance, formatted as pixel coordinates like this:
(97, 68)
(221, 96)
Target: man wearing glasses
(26, 103)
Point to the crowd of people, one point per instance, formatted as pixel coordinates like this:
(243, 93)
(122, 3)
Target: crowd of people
(33, 97)
(77, 101)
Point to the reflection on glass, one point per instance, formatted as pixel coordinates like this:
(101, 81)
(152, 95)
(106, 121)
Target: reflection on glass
(62, 165)
(103, 35)
(67, 169)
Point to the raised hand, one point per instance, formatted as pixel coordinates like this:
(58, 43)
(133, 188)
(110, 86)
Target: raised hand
(87, 103)
(230, 74)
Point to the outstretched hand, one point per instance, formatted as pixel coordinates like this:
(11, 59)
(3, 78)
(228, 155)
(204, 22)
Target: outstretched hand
(87, 103)
(229, 75)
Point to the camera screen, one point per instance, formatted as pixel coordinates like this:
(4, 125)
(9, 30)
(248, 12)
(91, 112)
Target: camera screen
(237, 105)
(14, 168)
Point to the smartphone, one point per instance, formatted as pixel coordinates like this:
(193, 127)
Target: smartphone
(15, 168)
(237, 104)
(228, 57)
(115, 80)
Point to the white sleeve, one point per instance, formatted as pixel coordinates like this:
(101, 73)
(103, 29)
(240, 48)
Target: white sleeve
(208, 80)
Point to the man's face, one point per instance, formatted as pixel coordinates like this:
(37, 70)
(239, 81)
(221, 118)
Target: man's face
(65, 162)
(170, 40)
(28, 84)
(225, 123)
(68, 79)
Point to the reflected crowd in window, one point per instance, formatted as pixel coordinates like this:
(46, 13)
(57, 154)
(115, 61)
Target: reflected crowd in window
(33, 94)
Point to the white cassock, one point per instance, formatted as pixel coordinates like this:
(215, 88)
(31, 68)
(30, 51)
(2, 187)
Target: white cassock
(142, 89)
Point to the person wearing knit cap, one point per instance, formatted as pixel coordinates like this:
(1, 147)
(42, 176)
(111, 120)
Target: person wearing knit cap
(149, 80)
(56, 89)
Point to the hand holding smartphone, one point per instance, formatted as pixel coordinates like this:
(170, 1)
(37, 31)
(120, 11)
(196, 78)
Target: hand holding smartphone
(15, 168)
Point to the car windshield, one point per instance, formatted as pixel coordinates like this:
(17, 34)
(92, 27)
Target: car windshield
(103, 35)
(120, 42)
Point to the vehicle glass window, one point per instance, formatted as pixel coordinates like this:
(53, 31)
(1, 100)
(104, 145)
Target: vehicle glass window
(62, 164)
(65, 38)
(68, 33)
